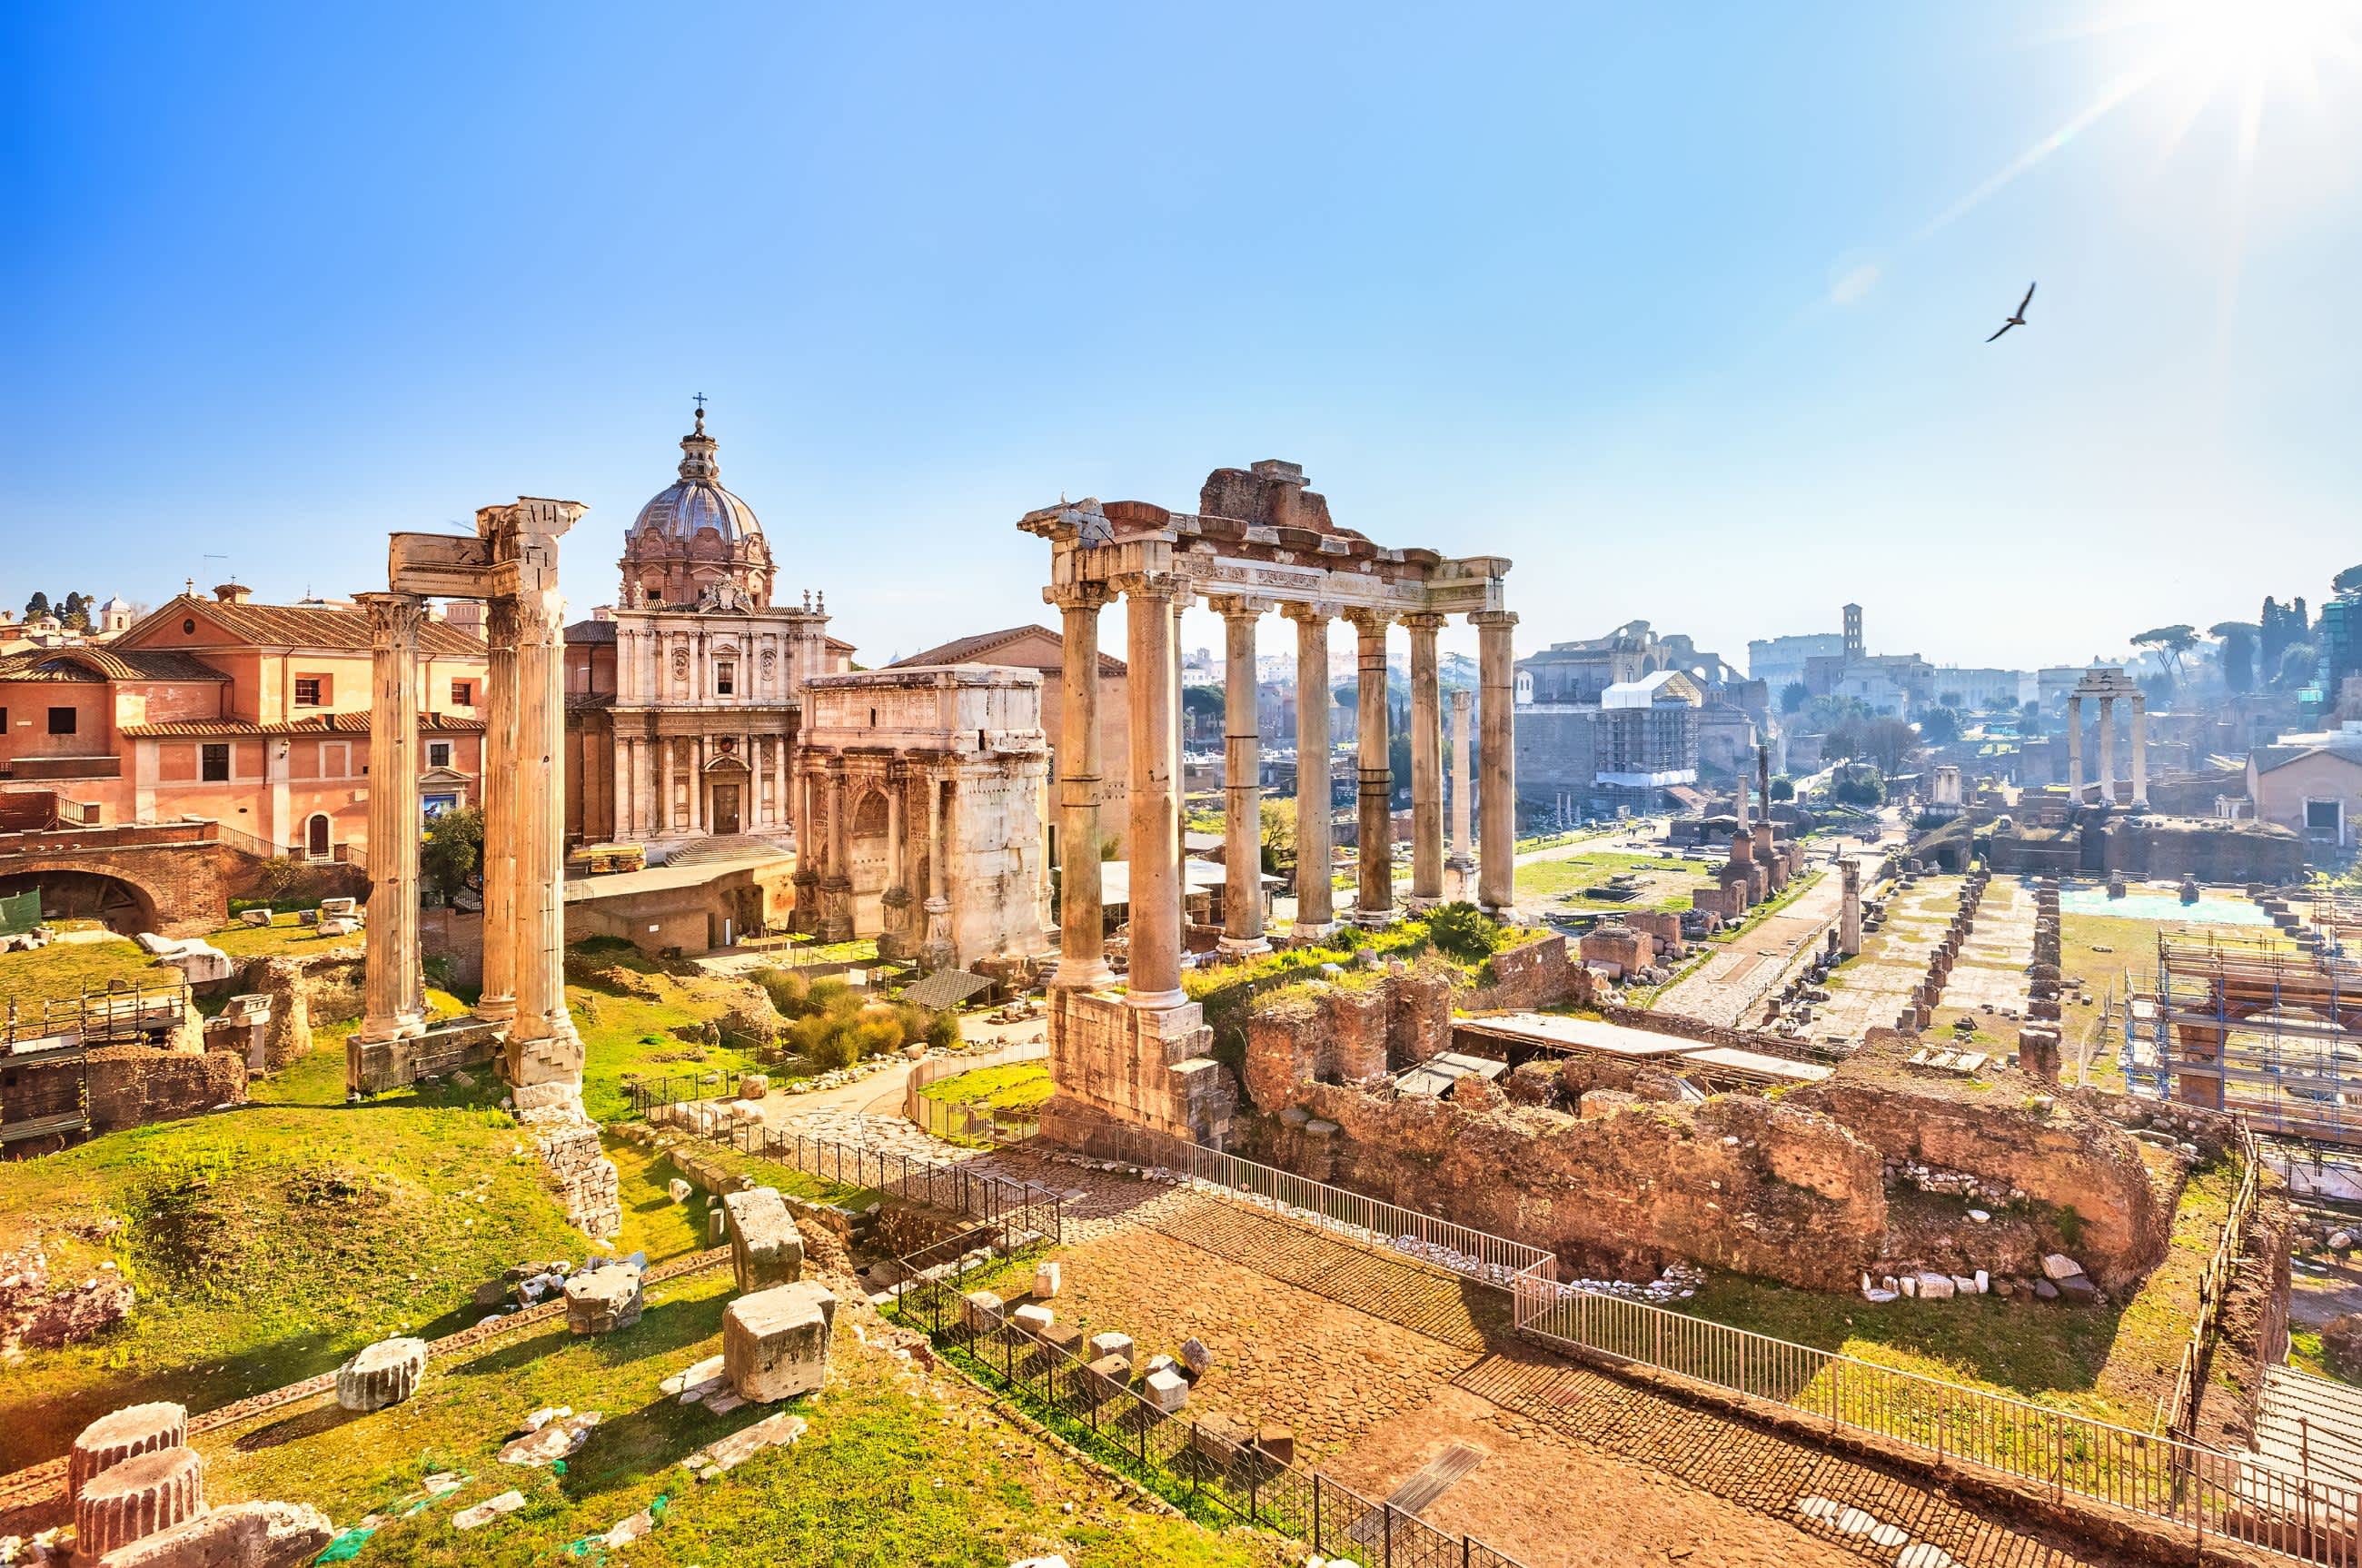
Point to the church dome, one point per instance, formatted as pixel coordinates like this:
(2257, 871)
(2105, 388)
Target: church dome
(696, 501)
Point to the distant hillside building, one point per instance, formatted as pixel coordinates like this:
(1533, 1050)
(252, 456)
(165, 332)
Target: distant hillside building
(1611, 722)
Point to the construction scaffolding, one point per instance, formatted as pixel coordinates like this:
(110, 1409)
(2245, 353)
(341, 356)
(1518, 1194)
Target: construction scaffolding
(2254, 1026)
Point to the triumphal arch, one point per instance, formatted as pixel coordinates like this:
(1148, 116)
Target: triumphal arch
(1260, 541)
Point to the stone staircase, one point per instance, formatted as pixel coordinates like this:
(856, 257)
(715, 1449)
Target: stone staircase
(719, 850)
(2311, 1423)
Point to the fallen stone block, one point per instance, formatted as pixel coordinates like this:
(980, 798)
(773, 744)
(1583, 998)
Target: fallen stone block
(1046, 1278)
(1033, 1320)
(2079, 1289)
(1934, 1286)
(775, 1343)
(117, 1435)
(1110, 1343)
(560, 1438)
(766, 1247)
(772, 1431)
(146, 1493)
(383, 1374)
(1196, 1358)
(1966, 1285)
(603, 1301)
(679, 1189)
(982, 1311)
(487, 1510)
(1065, 1339)
(238, 1535)
(2059, 1265)
(694, 1382)
(1168, 1391)
(1107, 1377)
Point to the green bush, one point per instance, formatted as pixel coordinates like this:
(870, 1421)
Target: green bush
(943, 1031)
(1462, 931)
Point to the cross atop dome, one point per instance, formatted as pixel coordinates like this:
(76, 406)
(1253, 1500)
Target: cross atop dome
(694, 534)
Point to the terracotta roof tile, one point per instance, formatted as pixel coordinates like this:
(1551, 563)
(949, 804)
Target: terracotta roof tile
(89, 663)
(354, 724)
(304, 626)
(973, 650)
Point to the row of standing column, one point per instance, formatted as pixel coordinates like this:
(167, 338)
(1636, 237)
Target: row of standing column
(2107, 779)
(646, 792)
(1152, 602)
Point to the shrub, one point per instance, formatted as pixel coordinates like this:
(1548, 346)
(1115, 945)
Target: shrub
(1462, 931)
(943, 1031)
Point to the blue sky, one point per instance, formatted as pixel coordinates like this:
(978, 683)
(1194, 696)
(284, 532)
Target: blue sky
(1682, 308)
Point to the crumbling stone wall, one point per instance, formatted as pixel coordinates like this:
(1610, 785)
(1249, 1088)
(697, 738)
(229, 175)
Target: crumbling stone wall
(1345, 1033)
(131, 1086)
(1738, 1182)
(2059, 1152)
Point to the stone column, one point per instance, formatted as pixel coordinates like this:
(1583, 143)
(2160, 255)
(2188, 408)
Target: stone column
(836, 885)
(938, 951)
(498, 1001)
(697, 785)
(544, 1050)
(1497, 889)
(1426, 765)
(2075, 749)
(1241, 782)
(780, 785)
(1155, 978)
(393, 1000)
(1082, 913)
(1850, 913)
(1743, 825)
(619, 795)
(2107, 751)
(1463, 859)
(665, 793)
(2140, 751)
(1316, 914)
(1180, 802)
(1374, 893)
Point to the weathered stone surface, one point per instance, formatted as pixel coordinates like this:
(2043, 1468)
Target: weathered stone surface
(383, 1374)
(603, 1301)
(1107, 1377)
(983, 1310)
(118, 1435)
(2059, 1265)
(678, 1189)
(775, 1343)
(1110, 1343)
(238, 1535)
(146, 1493)
(487, 1510)
(1196, 1358)
(766, 1247)
(772, 1431)
(1032, 1318)
(2340, 1345)
(1045, 1279)
(1168, 1391)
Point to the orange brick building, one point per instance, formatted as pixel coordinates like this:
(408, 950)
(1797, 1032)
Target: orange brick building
(253, 716)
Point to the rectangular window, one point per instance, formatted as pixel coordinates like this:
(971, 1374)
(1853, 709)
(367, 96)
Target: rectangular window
(311, 690)
(463, 694)
(213, 762)
(62, 720)
(2321, 816)
(725, 677)
(438, 754)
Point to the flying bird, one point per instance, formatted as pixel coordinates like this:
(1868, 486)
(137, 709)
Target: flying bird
(2019, 319)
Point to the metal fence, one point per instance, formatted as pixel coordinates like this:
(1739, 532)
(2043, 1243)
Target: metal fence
(1218, 1467)
(1022, 1211)
(2234, 1497)
(2177, 1410)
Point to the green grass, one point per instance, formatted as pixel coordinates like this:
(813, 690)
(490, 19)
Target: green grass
(1016, 1085)
(2108, 1362)
(887, 1474)
(284, 938)
(64, 969)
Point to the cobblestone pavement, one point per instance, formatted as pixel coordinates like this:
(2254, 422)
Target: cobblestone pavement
(1728, 989)
(1579, 1467)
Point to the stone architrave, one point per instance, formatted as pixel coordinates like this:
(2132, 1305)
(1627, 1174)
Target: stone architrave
(775, 1343)
(766, 1247)
(1425, 764)
(393, 1001)
(1315, 895)
(1242, 781)
(1374, 897)
(1497, 758)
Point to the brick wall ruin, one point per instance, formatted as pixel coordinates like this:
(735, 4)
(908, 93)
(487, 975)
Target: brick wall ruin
(131, 1086)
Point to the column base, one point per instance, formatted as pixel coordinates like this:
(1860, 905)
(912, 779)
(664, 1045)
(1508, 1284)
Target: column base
(1373, 919)
(1082, 974)
(495, 1009)
(1313, 930)
(1508, 912)
(401, 1026)
(1241, 946)
(1419, 903)
(1156, 1001)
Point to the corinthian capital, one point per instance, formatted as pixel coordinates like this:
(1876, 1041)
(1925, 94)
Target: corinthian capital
(1166, 585)
(394, 618)
(1079, 595)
